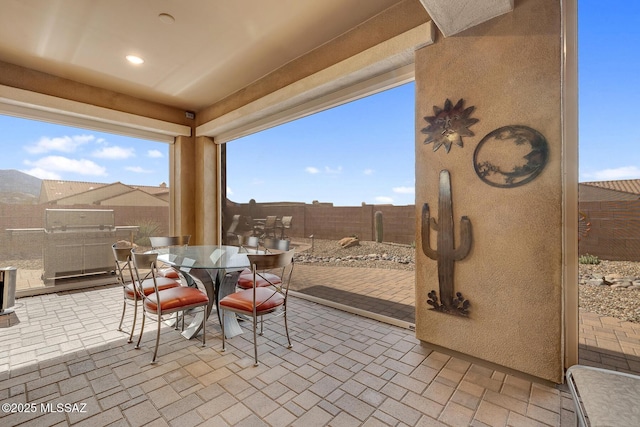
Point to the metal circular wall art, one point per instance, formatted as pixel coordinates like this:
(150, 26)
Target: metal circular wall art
(510, 156)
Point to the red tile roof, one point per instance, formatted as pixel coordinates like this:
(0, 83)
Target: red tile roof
(625, 185)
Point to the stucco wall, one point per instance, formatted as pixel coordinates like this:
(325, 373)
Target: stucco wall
(509, 69)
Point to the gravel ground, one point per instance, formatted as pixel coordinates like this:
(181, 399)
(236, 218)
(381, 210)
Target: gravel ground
(366, 255)
(621, 303)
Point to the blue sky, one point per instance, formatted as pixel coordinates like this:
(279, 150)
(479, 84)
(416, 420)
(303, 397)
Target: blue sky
(342, 155)
(609, 68)
(50, 151)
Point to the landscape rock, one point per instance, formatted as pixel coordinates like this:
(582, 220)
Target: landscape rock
(349, 242)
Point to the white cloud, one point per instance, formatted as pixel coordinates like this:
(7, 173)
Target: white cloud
(51, 164)
(384, 199)
(624, 172)
(65, 144)
(404, 190)
(368, 172)
(137, 169)
(229, 191)
(114, 153)
(41, 173)
(155, 154)
(330, 171)
(312, 170)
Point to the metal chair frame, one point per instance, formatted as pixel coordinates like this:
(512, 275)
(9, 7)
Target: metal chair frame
(259, 263)
(148, 262)
(123, 266)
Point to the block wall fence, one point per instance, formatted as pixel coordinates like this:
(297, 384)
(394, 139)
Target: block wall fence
(614, 231)
(325, 221)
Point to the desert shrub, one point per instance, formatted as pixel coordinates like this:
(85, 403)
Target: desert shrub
(148, 227)
(588, 259)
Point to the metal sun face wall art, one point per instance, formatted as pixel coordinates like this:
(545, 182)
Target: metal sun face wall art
(449, 125)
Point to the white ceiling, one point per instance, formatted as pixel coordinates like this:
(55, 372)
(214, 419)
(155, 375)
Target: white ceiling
(211, 50)
(214, 47)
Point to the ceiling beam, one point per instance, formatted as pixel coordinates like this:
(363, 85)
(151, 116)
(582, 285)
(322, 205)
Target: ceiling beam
(452, 17)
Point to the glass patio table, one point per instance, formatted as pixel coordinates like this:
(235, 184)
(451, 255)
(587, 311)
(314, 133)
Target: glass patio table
(216, 268)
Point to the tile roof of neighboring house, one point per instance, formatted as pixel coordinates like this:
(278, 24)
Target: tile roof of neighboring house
(623, 185)
(53, 189)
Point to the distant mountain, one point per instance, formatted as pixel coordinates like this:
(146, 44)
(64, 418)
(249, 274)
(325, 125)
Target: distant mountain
(18, 187)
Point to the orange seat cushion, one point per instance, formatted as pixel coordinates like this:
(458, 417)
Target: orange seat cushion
(168, 272)
(176, 299)
(245, 280)
(266, 300)
(147, 286)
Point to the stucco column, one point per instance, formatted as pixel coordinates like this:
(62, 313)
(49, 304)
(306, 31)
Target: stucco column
(207, 191)
(508, 72)
(182, 179)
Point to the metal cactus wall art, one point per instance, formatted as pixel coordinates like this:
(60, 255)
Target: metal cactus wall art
(445, 253)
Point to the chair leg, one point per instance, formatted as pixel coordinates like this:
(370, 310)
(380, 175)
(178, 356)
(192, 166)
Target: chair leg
(222, 326)
(124, 309)
(155, 352)
(133, 324)
(204, 326)
(255, 340)
(286, 328)
(141, 331)
(261, 325)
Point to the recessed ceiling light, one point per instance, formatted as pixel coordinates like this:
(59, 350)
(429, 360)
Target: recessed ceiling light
(166, 18)
(134, 59)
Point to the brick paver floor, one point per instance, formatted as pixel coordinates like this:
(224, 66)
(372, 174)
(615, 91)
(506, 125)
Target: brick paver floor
(344, 369)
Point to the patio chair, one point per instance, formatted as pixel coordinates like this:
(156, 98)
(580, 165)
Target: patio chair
(284, 224)
(233, 231)
(266, 228)
(166, 302)
(261, 300)
(124, 273)
(164, 242)
(603, 397)
(245, 279)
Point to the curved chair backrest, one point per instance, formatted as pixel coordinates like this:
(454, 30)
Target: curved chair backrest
(269, 261)
(120, 253)
(164, 241)
(144, 262)
(122, 256)
(279, 244)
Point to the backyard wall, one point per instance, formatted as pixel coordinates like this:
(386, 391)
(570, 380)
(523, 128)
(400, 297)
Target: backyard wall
(614, 231)
(325, 221)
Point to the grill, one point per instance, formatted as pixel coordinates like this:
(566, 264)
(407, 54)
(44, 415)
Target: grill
(78, 242)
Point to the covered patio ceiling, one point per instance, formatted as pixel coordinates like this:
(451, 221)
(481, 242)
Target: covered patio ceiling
(195, 53)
